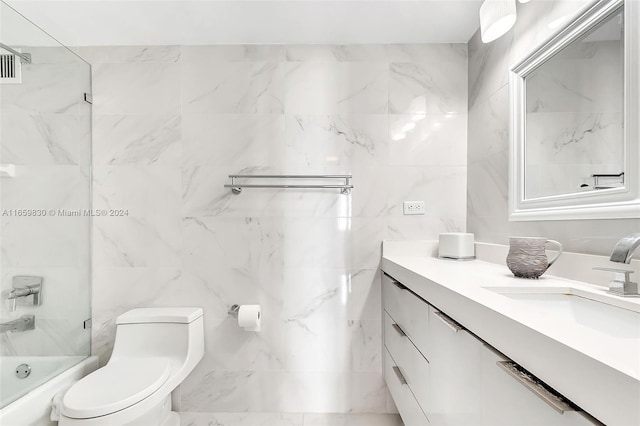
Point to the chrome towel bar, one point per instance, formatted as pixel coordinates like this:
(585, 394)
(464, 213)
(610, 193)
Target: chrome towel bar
(236, 188)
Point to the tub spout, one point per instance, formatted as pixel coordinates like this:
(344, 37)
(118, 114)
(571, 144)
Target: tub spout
(24, 323)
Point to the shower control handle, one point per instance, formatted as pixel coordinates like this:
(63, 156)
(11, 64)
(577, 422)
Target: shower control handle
(24, 286)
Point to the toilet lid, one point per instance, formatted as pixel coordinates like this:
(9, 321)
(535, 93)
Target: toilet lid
(114, 387)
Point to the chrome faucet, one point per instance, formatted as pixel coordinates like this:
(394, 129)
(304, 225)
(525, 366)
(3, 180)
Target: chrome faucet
(621, 285)
(24, 323)
(625, 248)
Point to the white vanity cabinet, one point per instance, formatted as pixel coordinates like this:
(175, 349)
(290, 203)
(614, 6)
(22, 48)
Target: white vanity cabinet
(455, 379)
(410, 411)
(506, 401)
(410, 312)
(406, 369)
(439, 373)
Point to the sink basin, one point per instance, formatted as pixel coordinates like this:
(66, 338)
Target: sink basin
(595, 310)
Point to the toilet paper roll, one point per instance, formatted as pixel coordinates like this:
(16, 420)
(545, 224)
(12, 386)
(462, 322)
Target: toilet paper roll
(249, 317)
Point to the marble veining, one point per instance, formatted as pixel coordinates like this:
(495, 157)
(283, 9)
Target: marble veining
(45, 139)
(146, 190)
(344, 87)
(232, 87)
(136, 88)
(54, 88)
(488, 66)
(427, 139)
(137, 139)
(127, 54)
(489, 122)
(419, 89)
(171, 123)
(132, 242)
(326, 143)
(240, 140)
(233, 53)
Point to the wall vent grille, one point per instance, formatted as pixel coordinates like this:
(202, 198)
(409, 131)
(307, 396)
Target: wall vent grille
(10, 69)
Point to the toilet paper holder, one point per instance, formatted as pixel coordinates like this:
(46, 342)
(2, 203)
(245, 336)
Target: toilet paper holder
(233, 310)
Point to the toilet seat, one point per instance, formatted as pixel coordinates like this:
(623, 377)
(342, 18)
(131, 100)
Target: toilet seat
(119, 384)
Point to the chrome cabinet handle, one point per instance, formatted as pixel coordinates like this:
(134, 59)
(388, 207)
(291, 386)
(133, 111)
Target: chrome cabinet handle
(399, 374)
(399, 329)
(553, 399)
(448, 321)
(398, 284)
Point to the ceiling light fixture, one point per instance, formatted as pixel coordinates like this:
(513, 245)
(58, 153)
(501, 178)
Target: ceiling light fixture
(496, 18)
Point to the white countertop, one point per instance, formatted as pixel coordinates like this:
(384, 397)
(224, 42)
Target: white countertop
(594, 366)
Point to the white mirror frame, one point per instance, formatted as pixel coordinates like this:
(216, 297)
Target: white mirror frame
(602, 204)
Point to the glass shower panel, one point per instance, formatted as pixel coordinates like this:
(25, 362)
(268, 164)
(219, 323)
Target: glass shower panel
(45, 153)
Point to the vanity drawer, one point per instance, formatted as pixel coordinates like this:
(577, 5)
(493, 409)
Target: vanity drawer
(507, 399)
(412, 364)
(395, 338)
(392, 294)
(455, 379)
(409, 311)
(408, 407)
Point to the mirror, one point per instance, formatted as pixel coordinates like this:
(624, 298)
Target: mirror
(573, 132)
(575, 119)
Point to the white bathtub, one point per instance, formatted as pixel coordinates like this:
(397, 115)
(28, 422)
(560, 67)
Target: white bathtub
(49, 374)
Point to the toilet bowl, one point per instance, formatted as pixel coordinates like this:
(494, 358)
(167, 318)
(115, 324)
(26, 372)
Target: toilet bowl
(154, 350)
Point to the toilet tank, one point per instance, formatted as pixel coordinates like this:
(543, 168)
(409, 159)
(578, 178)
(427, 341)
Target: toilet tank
(176, 333)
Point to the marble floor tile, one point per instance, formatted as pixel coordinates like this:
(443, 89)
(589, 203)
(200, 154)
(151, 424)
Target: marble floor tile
(338, 419)
(192, 418)
(241, 419)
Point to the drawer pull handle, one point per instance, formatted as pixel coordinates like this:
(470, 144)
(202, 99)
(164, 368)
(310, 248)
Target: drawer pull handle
(448, 321)
(398, 284)
(399, 329)
(399, 375)
(555, 400)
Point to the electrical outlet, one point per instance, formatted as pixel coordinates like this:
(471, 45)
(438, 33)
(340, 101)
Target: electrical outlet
(413, 207)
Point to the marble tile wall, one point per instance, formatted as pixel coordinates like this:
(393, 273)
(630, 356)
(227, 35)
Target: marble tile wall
(488, 141)
(170, 123)
(45, 131)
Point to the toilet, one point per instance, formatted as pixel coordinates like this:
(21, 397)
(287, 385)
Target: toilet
(154, 350)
